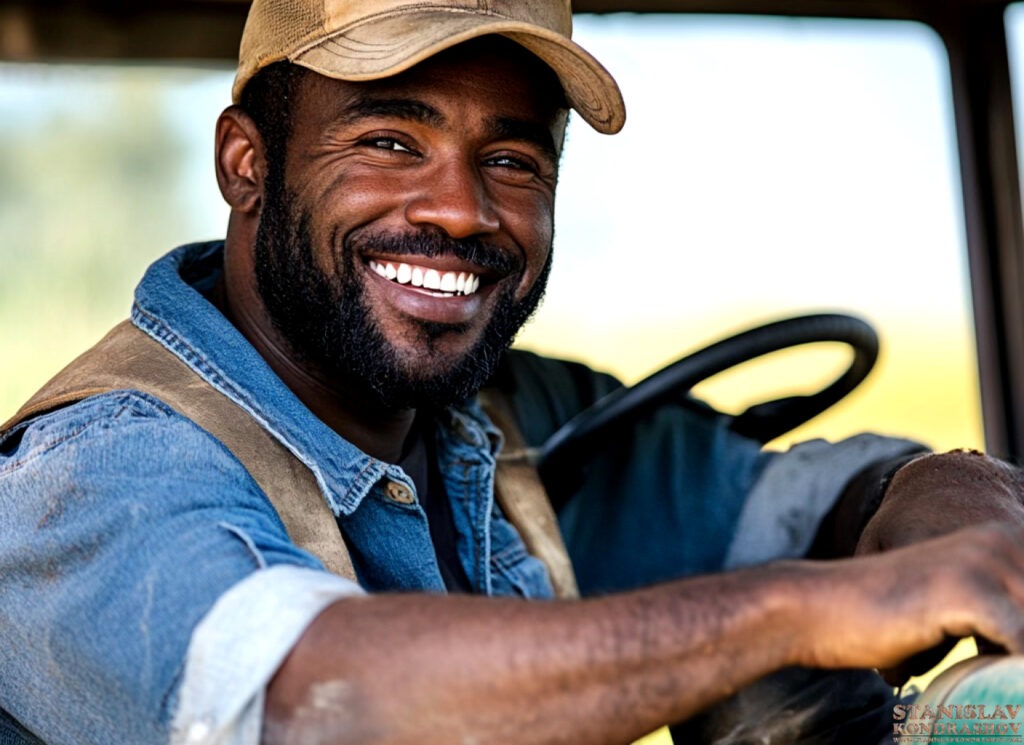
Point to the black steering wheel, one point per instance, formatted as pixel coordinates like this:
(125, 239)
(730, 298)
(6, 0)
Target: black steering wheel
(564, 454)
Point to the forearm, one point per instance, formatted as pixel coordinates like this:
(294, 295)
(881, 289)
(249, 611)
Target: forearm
(440, 669)
(424, 669)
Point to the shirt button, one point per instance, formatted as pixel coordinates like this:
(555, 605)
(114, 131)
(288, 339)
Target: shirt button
(399, 493)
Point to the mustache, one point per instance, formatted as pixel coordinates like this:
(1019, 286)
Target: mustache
(432, 245)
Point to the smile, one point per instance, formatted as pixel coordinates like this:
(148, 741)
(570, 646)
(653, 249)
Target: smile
(445, 284)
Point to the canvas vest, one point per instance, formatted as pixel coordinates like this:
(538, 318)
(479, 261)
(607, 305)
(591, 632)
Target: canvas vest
(127, 358)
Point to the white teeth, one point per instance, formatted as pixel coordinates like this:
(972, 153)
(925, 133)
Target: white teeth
(448, 283)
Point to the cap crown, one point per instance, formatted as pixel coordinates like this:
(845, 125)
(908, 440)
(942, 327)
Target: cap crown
(361, 40)
(278, 29)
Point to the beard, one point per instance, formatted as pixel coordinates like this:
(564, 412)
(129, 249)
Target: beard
(329, 324)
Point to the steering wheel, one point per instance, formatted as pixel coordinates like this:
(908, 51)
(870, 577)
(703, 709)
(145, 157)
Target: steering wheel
(563, 455)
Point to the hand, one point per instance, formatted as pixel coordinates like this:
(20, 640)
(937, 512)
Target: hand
(935, 495)
(879, 610)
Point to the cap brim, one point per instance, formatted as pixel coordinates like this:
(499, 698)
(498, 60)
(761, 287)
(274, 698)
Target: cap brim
(386, 46)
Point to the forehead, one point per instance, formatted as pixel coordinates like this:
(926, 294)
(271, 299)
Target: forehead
(491, 73)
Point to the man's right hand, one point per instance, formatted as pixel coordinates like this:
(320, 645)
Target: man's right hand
(881, 609)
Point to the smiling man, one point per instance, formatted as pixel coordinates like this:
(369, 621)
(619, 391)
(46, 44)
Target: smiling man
(404, 230)
(266, 510)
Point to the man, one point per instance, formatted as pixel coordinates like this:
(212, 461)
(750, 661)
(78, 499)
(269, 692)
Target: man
(391, 170)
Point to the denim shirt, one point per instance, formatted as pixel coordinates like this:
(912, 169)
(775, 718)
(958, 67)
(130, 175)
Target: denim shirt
(149, 591)
(125, 528)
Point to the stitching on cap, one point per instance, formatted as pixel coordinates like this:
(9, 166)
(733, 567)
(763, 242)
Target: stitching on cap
(400, 12)
(480, 10)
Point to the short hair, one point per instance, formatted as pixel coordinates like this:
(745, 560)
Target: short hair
(268, 98)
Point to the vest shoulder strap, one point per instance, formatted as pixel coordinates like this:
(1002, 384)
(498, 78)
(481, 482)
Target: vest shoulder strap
(127, 358)
(522, 496)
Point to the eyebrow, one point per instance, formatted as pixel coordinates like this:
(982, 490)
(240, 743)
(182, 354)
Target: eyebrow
(365, 107)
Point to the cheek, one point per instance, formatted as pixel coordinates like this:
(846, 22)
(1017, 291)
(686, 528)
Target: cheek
(325, 253)
(367, 210)
(333, 217)
(530, 223)
(342, 196)
(538, 254)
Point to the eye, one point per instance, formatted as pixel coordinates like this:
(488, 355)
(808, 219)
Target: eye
(516, 167)
(391, 144)
(513, 162)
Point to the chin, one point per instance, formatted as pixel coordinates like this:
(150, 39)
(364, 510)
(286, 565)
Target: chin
(437, 379)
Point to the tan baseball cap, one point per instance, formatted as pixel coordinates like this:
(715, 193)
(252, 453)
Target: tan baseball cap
(371, 39)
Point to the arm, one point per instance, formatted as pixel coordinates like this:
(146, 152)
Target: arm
(935, 494)
(394, 669)
(122, 525)
(906, 500)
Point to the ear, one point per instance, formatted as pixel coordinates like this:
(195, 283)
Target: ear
(241, 165)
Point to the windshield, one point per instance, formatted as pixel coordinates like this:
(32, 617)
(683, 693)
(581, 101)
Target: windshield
(768, 167)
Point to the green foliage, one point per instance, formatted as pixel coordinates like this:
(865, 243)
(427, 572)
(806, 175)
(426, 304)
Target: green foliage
(95, 172)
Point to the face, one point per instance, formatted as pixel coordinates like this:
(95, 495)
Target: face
(407, 236)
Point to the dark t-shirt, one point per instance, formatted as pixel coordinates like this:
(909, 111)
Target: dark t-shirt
(419, 460)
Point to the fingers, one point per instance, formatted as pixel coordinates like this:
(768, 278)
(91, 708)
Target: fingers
(883, 610)
(988, 577)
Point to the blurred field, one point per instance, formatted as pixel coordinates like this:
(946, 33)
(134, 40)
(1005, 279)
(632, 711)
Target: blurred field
(924, 386)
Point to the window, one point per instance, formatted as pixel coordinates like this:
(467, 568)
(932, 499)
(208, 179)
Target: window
(768, 167)
(771, 167)
(102, 169)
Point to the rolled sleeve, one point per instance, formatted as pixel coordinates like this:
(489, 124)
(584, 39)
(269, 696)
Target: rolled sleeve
(238, 646)
(123, 526)
(795, 491)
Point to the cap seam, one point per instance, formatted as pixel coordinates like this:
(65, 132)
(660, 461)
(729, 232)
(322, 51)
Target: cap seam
(400, 12)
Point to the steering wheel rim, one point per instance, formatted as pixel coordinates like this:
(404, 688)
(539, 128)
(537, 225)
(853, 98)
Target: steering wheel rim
(564, 453)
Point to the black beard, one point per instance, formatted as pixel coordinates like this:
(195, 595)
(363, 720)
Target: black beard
(327, 322)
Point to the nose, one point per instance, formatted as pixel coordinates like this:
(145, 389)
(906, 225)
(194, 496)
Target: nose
(454, 198)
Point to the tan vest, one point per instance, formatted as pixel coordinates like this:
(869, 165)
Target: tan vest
(127, 358)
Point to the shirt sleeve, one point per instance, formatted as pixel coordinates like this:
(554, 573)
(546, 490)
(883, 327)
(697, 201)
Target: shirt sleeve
(126, 527)
(795, 491)
(238, 646)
